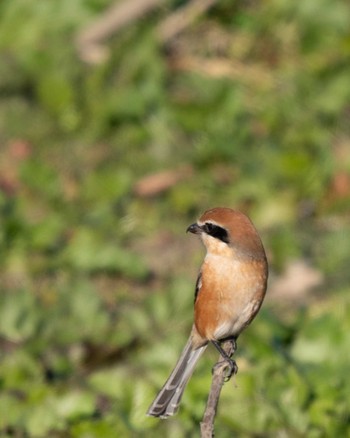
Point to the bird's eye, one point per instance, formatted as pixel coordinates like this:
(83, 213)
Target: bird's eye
(209, 227)
(216, 231)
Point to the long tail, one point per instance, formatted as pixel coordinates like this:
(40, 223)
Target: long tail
(168, 399)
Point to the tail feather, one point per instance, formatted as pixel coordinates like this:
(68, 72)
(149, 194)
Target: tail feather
(167, 401)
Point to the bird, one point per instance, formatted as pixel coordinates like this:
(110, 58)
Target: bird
(230, 289)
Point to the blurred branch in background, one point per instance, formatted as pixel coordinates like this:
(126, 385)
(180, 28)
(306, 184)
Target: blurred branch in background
(182, 18)
(91, 40)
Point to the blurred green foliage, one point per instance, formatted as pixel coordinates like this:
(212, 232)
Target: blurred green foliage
(97, 278)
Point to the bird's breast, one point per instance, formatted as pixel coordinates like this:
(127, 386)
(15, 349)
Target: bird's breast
(230, 295)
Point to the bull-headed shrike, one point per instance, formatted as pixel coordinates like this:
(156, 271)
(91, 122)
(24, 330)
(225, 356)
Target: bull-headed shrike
(230, 289)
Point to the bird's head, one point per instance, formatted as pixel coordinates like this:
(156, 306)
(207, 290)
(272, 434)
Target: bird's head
(228, 232)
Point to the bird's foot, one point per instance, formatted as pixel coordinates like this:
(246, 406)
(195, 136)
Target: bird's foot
(229, 365)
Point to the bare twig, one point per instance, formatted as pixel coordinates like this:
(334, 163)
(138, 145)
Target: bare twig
(90, 39)
(255, 75)
(182, 18)
(207, 424)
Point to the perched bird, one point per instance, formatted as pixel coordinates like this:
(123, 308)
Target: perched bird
(230, 289)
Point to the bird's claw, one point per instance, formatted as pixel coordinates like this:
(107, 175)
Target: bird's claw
(230, 366)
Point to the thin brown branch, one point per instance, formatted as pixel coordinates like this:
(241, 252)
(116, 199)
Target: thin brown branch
(182, 18)
(90, 39)
(207, 423)
(255, 75)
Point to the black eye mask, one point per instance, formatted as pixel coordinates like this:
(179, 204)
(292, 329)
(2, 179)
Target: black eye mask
(216, 231)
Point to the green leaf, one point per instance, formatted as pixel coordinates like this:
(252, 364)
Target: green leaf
(19, 315)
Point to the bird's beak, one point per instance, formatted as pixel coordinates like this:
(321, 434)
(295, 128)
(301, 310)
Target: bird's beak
(194, 228)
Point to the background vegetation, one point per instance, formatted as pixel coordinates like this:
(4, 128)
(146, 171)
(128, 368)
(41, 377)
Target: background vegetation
(102, 168)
